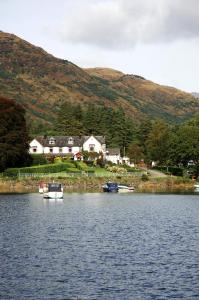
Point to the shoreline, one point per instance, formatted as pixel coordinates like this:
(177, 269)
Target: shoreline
(94, 184)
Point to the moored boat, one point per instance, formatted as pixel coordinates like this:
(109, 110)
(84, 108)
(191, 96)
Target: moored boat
(196, 186)
(125, 188)
(110, 187)
(54, 191)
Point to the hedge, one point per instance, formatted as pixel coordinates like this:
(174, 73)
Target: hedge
(49, 168)
(82, 166)
(176, 171)
(38, 159)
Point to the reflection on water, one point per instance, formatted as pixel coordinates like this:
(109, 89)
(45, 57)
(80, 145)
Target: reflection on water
(99, 246)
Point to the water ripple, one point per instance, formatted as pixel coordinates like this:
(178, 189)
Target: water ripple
(99, 246)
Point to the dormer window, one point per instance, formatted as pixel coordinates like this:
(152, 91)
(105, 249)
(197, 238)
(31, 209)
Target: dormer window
(70, 141)
(51, 141)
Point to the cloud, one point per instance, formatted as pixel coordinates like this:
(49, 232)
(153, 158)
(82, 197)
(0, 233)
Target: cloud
(125, 23)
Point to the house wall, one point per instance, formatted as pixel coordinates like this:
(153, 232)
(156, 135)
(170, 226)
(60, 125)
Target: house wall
(38, 146)
(75, 150)
(65, 150)
(55, 150)
(113, 158)
(92, 141)
(98, 147)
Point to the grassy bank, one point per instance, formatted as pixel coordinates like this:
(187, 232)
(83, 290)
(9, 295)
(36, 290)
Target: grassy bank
(94, 184)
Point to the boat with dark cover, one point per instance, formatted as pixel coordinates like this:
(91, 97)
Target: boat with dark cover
(54, 191)
(110, 187)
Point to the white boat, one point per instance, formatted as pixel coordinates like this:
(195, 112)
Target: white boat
(125, 188)
(196, 186)
(54, 191)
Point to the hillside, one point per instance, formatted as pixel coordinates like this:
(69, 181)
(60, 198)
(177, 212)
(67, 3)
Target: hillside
(42, 82)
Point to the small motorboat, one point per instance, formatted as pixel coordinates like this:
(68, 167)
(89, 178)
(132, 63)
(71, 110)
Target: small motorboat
(122, 188)
(110, 187)
(196, 186)
(54, 191)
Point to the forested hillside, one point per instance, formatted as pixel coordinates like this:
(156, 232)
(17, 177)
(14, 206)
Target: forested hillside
(42, 83)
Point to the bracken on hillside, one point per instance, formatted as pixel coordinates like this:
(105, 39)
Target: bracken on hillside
(42, 83)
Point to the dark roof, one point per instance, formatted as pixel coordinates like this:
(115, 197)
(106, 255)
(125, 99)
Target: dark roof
(113, 151)
(60, 141)
(63, 141)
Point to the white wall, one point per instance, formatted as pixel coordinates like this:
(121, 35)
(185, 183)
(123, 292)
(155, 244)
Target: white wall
(36, 144)
(65, 150)
(98, 147)
(92, 141)
(113, 158)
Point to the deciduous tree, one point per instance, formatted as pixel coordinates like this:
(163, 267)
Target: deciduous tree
(13, 135)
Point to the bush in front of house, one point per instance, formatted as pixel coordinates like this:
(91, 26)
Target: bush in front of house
(57, 160)
(82, 166)
(89, 163)
(38, 159)
(131, 169)
(116, 169)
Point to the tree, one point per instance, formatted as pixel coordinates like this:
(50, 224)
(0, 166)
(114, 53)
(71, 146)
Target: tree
(185, 144)
(14, 144)
(69, 120)
(135, 152)
(158, 142)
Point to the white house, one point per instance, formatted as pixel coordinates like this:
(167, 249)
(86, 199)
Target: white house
(67, 144)
(94, 144)
(113, 155)
(74, 145)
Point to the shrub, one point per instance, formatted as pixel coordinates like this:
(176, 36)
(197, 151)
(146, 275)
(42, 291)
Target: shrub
(81, 165)
(144, 177)
(89, 163)
(57, 160)
(38, 159)
(100, 162)
(116, 169)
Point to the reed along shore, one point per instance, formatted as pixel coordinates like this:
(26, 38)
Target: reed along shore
(94, 184)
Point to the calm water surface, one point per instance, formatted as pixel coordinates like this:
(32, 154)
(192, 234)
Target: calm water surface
(99, 246)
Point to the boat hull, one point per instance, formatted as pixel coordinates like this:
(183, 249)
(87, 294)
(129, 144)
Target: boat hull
(53, 195)
(107, 190)
(125, 189)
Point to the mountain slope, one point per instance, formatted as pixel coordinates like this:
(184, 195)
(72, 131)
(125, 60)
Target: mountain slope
(42, 82)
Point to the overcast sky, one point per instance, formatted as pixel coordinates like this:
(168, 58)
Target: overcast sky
(157, 39)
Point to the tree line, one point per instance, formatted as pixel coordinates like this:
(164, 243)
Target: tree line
(150, 140)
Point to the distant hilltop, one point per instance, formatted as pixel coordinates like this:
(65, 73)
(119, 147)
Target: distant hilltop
(42, 82)
(195, 95)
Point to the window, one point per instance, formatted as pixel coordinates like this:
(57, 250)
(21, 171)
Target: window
(51, 150)
(60, 150)
(70, 141)
(34, 149)
(51, 141)
(91, 148)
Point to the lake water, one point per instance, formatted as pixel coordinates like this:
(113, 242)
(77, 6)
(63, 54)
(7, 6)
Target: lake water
(99, 246)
